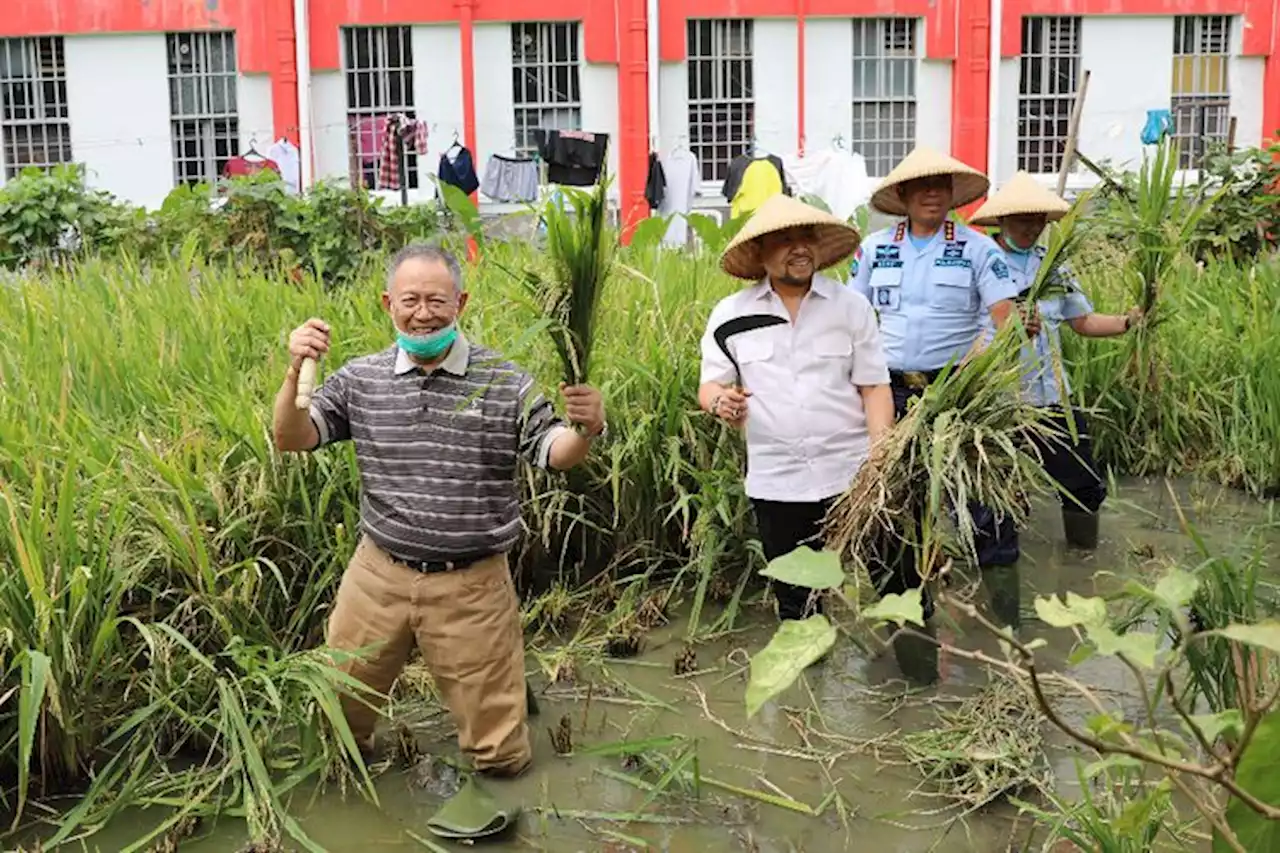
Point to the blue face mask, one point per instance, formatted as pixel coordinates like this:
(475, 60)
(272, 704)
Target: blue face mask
(430, 344)
(1015, 248)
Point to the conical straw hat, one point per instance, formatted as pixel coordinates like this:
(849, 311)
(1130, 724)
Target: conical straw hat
(835, 239)
(924, 162)
(1023, 194)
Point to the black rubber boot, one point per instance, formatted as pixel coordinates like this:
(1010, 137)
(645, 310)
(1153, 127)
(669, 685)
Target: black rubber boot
(917, 656)
(531, 700)
(1004, 592)
(1081, 528)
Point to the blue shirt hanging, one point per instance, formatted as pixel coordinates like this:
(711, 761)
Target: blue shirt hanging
(460, 171)
(1159, 124)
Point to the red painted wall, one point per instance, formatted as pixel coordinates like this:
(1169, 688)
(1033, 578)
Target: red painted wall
(614, 31)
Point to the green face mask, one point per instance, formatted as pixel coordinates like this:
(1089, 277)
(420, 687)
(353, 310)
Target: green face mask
(428, 345)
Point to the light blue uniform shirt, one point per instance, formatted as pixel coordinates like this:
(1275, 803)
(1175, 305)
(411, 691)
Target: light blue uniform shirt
(931, 298)
(1044, 384)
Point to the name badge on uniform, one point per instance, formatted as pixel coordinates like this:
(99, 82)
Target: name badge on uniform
(887, 257)
(884, 296)
(953, 256)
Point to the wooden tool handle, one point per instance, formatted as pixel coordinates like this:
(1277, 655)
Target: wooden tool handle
(306, 383)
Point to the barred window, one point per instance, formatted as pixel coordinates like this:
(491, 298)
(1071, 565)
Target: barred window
(35, 125)
(545, 80)
(378, 66)
(884, 91)
(204, 125)
(721, 95)
(1050, 73)
(1201, 99)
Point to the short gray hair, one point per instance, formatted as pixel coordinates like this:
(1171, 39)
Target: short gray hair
(426, 252)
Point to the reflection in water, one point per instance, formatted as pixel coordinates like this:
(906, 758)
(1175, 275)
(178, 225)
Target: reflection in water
(855, 702)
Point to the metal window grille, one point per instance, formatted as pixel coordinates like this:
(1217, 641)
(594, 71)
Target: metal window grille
(1050, 73)
(721, 94)
(379, 72)
(545, 80)
(35, 120)
(884, 91)
(203, 120)
(1201, 101)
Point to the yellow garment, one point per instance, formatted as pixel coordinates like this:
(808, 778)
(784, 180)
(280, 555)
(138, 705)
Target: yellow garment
(760, 181)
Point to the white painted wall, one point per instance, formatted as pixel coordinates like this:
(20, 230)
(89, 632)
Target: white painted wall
(329, 134)
(495, 105)
(118, 98)
(253, 105)
(933, 103)
(1005, 163)
(437, 96)
(673, 104)
(1130, 61)
(600, 111)
(775, 81)
(828, 81)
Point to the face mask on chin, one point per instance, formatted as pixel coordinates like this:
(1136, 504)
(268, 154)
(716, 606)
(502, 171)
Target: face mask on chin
(428, 345)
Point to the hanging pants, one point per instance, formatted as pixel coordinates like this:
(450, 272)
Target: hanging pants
(465, 622)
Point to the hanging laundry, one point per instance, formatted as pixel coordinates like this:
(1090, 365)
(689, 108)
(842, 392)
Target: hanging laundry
(510, 179)
(285, 153)
(751, 180)
(1159, 124)
(402, 134)
(574, 157)
(248, 164)
(457, 168)
(655, 185)
(683, 174)
(836, 176)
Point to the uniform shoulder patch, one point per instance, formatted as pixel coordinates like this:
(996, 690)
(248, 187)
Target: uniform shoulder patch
(1000, 269)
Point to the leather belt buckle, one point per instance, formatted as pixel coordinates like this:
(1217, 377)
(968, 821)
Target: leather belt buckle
(915, 380)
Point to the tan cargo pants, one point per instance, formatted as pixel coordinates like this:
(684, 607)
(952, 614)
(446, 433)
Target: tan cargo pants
(467, 626)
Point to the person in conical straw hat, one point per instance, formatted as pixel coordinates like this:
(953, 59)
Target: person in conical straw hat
(933, 282)
(794, 359)
(1021, 210)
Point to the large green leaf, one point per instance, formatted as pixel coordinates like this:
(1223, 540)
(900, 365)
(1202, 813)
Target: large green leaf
(1138, 646)
(795, 645)
(1076, 610)
(1256, 774)
(1176, 588)
(897, 607)
(35, 681)
(807, 568)
(1214, 726)
(1264, 635)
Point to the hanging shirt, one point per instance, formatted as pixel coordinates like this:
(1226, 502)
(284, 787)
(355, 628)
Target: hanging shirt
(574, 158)
(459, 169)
(401, 133)
(655, 185)
(932, 299)
(806, 428)
(285, 153)
(837, 177)
(239, 167)
(683, 175)
(751, 181)
(1045, 382)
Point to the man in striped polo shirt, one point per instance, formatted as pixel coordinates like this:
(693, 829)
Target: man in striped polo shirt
(439, 425)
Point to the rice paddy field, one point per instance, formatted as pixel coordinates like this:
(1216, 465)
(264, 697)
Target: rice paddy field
(165, 577)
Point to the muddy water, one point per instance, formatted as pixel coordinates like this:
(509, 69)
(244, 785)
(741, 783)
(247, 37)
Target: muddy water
(858, 698)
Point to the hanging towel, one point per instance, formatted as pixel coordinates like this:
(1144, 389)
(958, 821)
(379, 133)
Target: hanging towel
(510, 179)
(574, 158)
(401, 130)
(1159, 123)
(460, 171)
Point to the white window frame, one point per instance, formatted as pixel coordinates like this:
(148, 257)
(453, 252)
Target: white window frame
(720, 57)
(886, 73)
(377, 74)
(204, 120)
(33, 104)
(546, 79)
(1048, 80)
(1201, 115)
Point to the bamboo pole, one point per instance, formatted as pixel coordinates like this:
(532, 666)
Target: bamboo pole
(1073, 131)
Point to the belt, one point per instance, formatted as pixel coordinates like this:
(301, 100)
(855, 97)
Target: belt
(916, 380)
(434, 567)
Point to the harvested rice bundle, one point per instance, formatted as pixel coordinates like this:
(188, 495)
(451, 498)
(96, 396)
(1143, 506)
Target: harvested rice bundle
(964, 441)
(991, 744)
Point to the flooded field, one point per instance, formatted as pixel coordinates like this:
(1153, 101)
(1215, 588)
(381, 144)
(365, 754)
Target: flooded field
(828, 745)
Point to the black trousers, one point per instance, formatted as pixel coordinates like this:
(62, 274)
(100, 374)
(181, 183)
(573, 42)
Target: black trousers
(784, 527)
(1070, 462)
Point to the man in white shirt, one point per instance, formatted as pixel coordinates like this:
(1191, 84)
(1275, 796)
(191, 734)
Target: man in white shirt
(807, 380)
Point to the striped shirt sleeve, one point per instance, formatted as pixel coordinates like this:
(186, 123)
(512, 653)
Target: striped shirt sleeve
(539, 425)
(329, 409)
